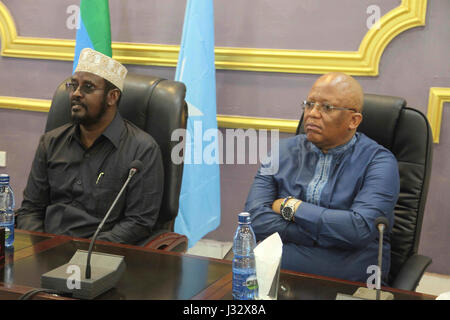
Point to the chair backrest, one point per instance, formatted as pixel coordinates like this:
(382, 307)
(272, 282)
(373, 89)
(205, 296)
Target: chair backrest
(407, 134)
(155, 105)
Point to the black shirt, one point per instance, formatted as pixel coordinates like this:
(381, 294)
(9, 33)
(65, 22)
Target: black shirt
(70, 188)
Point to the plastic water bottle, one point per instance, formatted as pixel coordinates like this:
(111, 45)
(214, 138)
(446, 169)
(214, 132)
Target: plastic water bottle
(245, 286)
(7, 209)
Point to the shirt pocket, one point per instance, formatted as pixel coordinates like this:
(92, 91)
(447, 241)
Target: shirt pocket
(104, 194)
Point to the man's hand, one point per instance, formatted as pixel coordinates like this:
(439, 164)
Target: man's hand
(277, 204)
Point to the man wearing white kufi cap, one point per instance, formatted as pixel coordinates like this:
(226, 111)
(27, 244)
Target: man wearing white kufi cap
(80, 167)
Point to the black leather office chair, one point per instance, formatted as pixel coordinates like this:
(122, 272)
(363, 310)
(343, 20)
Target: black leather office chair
(407, 134)
(157, 106)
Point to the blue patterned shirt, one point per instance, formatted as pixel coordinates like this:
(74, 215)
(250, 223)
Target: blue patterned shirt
(343, 192)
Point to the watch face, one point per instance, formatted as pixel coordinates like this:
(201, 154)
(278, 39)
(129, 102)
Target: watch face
(287, 213)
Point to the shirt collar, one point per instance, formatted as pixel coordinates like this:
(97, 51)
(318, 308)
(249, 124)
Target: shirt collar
(339, 149)
(344, 147)
(113, 131)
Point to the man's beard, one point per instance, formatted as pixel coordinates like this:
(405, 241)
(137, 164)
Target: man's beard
(86, 119)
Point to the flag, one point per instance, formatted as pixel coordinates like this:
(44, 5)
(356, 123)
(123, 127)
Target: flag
(199, 209)
(94, 29)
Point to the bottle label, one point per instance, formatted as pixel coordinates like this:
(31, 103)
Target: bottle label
(245, 285)
(9, 233)
(2, 243)
(251, 283)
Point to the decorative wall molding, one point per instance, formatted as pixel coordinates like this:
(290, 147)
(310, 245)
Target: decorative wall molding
(436, 100)
(364, 62)
(26, 104)
(240, 122)
(223, 121)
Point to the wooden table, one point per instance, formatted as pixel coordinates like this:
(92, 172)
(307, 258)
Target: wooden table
(302, 286)
(149, 274)
(155, 275)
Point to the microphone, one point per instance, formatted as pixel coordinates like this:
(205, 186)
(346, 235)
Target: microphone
(381, 223)
(108, 268)
(135, 166)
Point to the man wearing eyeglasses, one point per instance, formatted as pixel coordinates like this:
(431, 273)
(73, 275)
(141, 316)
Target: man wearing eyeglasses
(80, 167)
(331, 185)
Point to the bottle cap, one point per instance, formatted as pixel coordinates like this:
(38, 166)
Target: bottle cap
(4, 178)
(244, 217)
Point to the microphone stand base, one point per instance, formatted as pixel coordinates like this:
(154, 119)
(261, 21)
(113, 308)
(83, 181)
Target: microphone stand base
(107, 269)
(363, 293)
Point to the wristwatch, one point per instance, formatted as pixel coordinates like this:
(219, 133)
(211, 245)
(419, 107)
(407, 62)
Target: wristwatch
(285, 200)
(288, 208)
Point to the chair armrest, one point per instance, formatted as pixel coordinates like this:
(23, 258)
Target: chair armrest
(411, 272)
(168, 241)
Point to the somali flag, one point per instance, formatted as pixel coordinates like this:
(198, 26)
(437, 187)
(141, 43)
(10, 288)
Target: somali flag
(199, 209)
(94, 28)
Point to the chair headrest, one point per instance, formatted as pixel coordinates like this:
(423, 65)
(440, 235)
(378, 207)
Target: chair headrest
(137, 93)
(380, 117)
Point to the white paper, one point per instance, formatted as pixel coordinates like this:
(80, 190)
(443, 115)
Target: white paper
(444, 296)
(267, 258)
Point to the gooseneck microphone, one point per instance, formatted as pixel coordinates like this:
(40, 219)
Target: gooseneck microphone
(107, 269)
(135, 166)
(382, 224)
(366, 293)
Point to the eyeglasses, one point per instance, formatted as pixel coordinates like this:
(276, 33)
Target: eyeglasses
(323, 108)
(86, 88)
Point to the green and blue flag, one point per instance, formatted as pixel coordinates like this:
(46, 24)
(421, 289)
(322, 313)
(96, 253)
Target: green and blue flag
(94, 28)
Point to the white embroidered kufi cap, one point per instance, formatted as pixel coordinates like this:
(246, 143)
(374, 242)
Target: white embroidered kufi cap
(103, 66)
